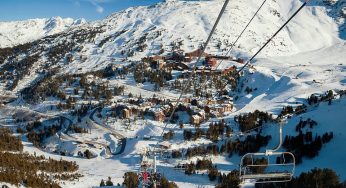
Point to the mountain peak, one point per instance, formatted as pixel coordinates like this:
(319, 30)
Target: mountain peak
(18, 32)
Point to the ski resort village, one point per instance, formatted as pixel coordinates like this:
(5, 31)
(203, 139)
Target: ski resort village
(179, 93)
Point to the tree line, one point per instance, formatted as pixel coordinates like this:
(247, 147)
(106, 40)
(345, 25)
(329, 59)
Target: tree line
(305, 145)
(321, 178)
(253, 120)
(31, 170)
(9, 142)
(215, 131)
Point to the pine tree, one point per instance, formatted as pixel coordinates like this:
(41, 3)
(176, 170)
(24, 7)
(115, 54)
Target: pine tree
(109, 182)
(131, 180)
(164, 183)
(213, 173)
(88, 154)
(102, 184)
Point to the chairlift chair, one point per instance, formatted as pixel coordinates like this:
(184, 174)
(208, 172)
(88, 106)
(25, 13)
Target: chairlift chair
(269, 172)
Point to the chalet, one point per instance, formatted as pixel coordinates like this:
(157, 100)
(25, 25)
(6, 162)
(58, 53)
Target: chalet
(211, 62)
(227, 107)
(123, 111)
(158, 113)
(224, 99)
(187, 100)
(166, 108)
(157, 58)
(187, 59)
(195, 119)
(195, 54)
(211, 101)
(157, 62)
(126, 113)
(201, 114)
(179, 66)
(159, 116)
(165, 145)
(221, 108)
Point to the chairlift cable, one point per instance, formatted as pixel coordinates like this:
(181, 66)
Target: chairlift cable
(194, 67)
(242, 32)
(205, 46)
(239, 36)
(271, 38)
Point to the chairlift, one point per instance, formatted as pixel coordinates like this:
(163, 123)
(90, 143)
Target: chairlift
(268, 171)
(148, 175)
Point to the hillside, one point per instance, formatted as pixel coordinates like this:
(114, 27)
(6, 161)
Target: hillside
(19, 32)
(142, 31)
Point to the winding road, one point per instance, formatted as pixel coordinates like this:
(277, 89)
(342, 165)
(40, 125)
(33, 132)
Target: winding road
(106, 128)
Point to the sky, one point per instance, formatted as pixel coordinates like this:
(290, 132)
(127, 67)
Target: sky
(11, 10)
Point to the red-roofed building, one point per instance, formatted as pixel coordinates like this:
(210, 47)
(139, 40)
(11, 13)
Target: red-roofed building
(228, 70)
(211, 62)
(195, 53)
(159, 116)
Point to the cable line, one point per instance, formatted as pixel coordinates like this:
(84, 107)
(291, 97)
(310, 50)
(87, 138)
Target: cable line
(194, 67)
(271, 38)
(145, 174)
(239, 36)
(242, 32)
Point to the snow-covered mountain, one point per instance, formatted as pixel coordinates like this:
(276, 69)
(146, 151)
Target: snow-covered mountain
(20, 32)
(141, 31)
(191, 21)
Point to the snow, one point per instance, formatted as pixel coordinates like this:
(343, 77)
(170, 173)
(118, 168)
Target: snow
(20, 32)
(329, 118)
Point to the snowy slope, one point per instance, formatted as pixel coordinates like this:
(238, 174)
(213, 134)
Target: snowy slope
(19, 32)
(329, 118)
(289, 80)
(141, 31)
(189, 22)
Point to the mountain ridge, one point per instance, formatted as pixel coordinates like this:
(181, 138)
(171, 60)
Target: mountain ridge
(14, 33)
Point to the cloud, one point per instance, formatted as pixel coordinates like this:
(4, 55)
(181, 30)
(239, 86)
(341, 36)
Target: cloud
(99, 9)
(95, 3)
